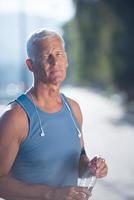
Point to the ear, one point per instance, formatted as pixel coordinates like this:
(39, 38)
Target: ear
(29, 64)
(66, 60)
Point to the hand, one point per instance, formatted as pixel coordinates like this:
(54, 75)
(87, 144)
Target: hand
(71, 193)
(100, 165)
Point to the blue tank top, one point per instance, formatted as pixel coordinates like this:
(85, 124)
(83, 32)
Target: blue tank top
(54, 158)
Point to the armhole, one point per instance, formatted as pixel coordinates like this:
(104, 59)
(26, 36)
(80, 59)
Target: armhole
(66, 100)
(26, 105)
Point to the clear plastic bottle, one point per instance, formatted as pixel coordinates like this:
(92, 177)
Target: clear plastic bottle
(88, 178)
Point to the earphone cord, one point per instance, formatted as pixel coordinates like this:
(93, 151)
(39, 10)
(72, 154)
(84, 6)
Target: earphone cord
(79, 132)
(41, 128)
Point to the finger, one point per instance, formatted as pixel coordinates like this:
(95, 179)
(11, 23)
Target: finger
(102, 172)
(96, 161)
(79, 196)
(83, 196)
(75, 195)
(84, 190)
(100, 163)
(79, 193)
(92, 163)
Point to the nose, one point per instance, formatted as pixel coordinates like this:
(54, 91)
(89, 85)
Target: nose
(52, 60)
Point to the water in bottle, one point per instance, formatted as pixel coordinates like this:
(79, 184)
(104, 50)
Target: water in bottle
(88, 178)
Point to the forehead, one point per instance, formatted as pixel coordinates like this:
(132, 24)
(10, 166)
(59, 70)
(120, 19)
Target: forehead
(50, 43)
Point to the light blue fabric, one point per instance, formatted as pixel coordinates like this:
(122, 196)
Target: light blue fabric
(54, 158)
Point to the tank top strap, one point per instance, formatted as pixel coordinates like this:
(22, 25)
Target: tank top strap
(26, 104)
(66, 102)
(75, 121)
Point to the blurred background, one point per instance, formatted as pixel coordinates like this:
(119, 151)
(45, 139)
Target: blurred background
(99, 38)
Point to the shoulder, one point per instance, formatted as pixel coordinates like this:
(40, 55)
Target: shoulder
(78, 114)
(75, 105)
(13, 131)
(14, 121)
(14, 112)
(76, 109)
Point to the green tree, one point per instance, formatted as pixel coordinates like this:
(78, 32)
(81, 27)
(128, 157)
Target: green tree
(122, 54)
(101, 35)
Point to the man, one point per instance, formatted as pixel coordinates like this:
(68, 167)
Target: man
(41, 144)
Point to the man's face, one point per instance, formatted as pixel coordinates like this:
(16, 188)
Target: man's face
(51, 61)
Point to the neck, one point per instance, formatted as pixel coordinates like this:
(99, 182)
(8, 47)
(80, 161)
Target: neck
(45, 91)
(47, 97)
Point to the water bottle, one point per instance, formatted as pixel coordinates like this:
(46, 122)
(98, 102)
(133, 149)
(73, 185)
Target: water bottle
(88, 178)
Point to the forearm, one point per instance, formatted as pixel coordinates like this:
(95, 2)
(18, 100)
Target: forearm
(12, 189)
(83, 162)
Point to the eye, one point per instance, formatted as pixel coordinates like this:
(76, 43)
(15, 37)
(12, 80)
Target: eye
(59, 54)
(46, 57)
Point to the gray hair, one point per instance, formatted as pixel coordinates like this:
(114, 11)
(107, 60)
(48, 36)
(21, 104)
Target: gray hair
(39, 35)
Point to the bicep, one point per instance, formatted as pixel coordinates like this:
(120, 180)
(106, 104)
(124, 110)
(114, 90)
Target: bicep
(79, 117)
(9, 141)
(8, 151)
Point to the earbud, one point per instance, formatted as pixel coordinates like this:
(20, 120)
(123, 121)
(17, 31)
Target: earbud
(79, 133)
(42, 134)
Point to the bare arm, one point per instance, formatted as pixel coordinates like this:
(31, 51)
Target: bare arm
(12, 189)
(13, 131)
(101, 166)
(13, 125)
(78, 114)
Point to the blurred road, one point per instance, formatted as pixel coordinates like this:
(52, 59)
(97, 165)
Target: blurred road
(109, 133)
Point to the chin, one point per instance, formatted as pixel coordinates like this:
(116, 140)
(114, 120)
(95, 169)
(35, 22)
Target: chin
(58, 80)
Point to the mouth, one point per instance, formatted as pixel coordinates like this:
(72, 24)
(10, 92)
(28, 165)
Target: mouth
(56, 71)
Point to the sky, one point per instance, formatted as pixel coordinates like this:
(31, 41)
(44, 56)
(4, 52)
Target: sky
(39, 13)
(59, 10)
